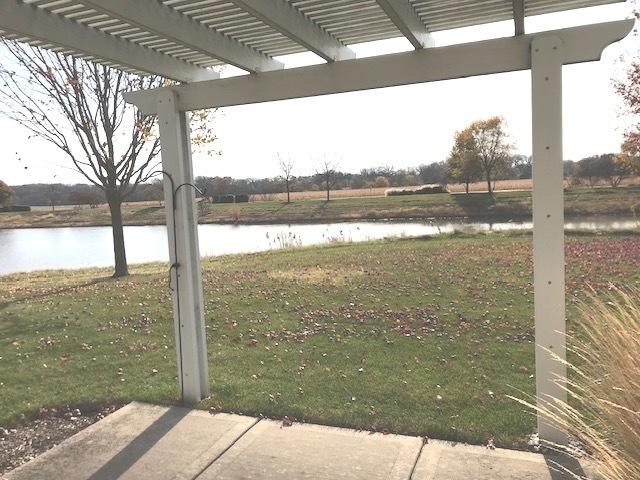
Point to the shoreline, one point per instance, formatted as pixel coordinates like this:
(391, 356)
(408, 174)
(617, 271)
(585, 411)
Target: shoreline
(297, 221)
(319, 221)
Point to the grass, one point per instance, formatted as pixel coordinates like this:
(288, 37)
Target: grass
(418, 336)
(504, 205)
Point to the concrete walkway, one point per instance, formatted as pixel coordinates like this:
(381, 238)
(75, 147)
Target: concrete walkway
(143, 441)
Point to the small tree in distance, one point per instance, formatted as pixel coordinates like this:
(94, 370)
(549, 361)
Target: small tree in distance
(492, 148)
(286, 171)
(480, 150)
(53, 195)
(381, 182)
(462, 164)
(326, 169)
(6, 194)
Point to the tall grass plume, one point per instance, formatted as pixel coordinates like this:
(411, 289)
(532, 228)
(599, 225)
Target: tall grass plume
(603, 410)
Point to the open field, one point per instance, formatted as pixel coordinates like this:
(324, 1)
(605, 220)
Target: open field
(422, 336)
(504, 205)
(322, 194)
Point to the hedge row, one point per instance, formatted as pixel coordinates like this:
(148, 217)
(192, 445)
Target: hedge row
(418, 191)
(15, 208)
(241, 198)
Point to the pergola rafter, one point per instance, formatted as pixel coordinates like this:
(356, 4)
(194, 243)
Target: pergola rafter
(406, 19)
(159, 19)
(281, 16)
(21, 19)
(518, 17)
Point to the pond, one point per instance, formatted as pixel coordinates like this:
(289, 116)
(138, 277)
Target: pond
(76, 247)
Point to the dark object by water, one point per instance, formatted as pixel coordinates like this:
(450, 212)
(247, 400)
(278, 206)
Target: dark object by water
(15, 208)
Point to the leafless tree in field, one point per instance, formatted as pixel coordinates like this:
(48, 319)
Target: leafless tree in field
(79, 107)
(326, 168)
(286, 170)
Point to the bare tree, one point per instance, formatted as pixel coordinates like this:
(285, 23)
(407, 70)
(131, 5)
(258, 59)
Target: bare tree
(326, 169)
(79, 107)
(286, 169)
(53, 195)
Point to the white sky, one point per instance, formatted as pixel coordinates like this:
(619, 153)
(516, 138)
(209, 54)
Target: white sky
(399, 126)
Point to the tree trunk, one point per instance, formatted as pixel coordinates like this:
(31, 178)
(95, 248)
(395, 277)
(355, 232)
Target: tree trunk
(489, 189)
(119, 252)
(328, 187)
(288, 197)
(466, 187)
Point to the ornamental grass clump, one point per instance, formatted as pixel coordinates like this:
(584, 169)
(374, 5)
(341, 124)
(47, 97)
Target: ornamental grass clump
(603, 410)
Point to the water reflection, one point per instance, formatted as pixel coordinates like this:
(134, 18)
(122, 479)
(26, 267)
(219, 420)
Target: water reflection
(76, 247)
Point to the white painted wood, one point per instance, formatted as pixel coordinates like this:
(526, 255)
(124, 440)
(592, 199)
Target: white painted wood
(406, 19)
(281, 16)
(581, 44)
(548, 229)
(518, 16)
(23, 19)
(152, 16)
(184, 254)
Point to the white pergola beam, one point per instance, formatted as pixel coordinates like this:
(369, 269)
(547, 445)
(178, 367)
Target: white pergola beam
(518, 17)
(405, 18)
(548, 231)
(37, 24)
(154, 17)
(284, 18)
(581, 44)
(184, 253)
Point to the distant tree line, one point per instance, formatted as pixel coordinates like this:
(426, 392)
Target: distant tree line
(606, 168)
(55, 194)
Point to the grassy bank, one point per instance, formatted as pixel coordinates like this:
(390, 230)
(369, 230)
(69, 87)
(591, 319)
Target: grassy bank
(420, 336)
(504, 205)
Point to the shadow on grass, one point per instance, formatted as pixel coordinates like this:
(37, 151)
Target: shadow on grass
(473, 201)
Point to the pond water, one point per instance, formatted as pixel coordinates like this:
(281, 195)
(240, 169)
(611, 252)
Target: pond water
(77, 247)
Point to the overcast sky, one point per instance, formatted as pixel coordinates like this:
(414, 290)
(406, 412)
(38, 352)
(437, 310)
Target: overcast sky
(399, 126)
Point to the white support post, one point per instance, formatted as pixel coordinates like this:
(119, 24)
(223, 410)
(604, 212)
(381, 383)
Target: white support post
(548, 229)
(182, 230)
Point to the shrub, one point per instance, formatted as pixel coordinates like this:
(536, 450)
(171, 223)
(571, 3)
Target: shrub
(424, 190)
(381, 182)
(223, 198)
(605, 389)
(242, 198)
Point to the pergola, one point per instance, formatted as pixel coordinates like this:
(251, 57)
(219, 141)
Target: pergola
(182, 39)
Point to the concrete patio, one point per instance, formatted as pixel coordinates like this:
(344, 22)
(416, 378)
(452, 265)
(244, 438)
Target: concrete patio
(143, 441)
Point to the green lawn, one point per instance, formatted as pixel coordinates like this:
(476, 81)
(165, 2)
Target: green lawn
(419, 336)
(504, 205)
